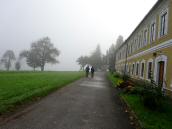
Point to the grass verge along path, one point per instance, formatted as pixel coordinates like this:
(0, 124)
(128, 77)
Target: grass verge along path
(114, 80)
(148, 119)
(19, 87)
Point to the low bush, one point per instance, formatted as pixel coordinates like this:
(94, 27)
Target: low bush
(152, 96)
(137, 90)
(115, 78)
(127, 83)
(125, 77)
(117, 75)
(150, 93)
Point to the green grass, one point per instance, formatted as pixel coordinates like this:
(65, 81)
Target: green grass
(19, 87)
(150, 119)
(115, 81)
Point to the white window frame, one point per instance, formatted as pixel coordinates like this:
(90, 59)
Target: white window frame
(135, 42)
(128, 51)
(142, 62)
(147, 71)
(133, 46)
(140, 39)
(137, 63)
(130, 68)
(158, 59)
(145, 41)
(152, 39)
(167, 22)
(133, 69)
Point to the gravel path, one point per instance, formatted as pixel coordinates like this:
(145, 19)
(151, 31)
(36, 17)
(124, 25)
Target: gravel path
(84, 104)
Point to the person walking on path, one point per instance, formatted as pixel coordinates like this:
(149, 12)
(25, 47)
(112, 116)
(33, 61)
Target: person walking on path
(92, 72)
(87, 70)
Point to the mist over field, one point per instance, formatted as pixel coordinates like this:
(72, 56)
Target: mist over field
(75, 27)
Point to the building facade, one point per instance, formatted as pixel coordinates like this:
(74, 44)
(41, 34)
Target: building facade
(147, 52)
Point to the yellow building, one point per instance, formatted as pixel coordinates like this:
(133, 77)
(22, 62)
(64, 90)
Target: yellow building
(148, 50)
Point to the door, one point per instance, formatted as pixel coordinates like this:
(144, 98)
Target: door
(161, 73)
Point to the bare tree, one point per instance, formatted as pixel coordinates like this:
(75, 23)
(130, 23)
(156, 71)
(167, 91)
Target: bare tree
(7, 59)
(119, 41)
(111, 53)
(17, 65)
(111, 57)
(96, 58)
(41, 52)
(82, 61)
(32, 58)
(46, 51)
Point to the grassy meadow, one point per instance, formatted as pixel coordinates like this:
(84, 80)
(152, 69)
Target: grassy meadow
(19, 87)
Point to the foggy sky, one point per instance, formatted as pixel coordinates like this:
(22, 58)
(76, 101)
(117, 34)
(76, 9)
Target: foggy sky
(74, 26)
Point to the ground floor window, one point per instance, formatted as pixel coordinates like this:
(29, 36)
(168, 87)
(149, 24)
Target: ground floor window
(137, 69)
(142, 69)
(133, 69)
(149, 70)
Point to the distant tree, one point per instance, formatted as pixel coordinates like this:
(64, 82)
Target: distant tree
(32, 58)
(82, 61)
(104, 62)
(119, 41)
(111, 53)
(96, 58)
(111, 57)
(41, 52)
(17, 65)
(46, 51)
(7, 59)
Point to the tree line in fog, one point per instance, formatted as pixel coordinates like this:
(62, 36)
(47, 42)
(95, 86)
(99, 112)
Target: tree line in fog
(40, 53)
(100, 61)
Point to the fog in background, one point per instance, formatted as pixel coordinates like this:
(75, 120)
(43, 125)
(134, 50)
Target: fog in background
(74, 26)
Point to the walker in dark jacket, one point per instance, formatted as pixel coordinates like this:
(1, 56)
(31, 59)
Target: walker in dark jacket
(87, 71)
(92, 71)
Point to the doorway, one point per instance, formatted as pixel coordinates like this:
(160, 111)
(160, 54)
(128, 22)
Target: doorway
(161, 72)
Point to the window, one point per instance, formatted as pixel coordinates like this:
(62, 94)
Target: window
(131, 48)
(128, 52)
(133, 70)
(142, 69)
(140, 41)
(129, 70)
(136, 44)
(163, 24)
(149, 70)
(137, 69)
(145, 36)
(152, 32)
